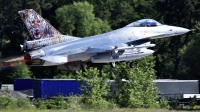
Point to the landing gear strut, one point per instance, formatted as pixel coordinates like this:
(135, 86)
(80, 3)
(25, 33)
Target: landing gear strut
(132, 65)
(112, 64)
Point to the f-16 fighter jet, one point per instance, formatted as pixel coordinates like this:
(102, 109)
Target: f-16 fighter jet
(50, 48)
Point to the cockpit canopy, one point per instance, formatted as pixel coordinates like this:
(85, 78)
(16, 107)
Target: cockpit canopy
(145, 23)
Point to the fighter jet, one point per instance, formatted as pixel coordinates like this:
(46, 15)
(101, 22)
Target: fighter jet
(129, 43)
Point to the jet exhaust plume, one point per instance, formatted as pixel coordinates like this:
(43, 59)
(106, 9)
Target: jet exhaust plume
(15, 59)
(5, 63)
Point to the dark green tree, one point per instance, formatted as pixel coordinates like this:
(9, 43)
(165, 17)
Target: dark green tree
(95, 87)
(138, 88)
(176, 13)
(78, 20)
(189, 55)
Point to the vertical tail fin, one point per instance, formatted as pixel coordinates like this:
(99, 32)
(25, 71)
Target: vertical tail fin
(37, 26)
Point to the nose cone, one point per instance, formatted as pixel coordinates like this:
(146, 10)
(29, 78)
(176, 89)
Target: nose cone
(180, 30)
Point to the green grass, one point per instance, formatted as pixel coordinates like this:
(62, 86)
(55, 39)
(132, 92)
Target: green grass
(98, 110)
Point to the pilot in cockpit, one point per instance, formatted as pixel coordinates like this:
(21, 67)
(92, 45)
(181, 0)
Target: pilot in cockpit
(145, 23)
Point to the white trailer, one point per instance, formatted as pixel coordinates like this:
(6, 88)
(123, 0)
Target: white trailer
(178, 89)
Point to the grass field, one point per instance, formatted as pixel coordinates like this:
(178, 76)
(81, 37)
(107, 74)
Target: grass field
(100, 110)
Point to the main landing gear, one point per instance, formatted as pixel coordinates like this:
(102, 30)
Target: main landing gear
(132, 65)
(112, 64)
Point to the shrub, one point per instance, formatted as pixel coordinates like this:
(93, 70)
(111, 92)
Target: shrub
(164, 103)
(54, 103)
(23, 104)
(174, 103)
(138, 90)
(60, 102)
(6, 103)
(74, 102)
(95, 88)
(192, 103)
(40, 104)
(50, 104)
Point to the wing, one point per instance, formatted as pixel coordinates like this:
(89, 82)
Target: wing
(98, 49)
(117, 47)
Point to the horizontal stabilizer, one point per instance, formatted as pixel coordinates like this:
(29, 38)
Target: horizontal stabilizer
(36, 44)
(55, 59)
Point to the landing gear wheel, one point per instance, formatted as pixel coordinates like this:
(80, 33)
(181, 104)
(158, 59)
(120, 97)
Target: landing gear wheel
(112, 64)
(132, 65)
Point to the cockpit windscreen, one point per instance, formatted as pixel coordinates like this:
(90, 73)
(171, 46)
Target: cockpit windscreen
(145, 23)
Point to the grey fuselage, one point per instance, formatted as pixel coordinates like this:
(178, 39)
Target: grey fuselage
(75, 50)
(122, 35)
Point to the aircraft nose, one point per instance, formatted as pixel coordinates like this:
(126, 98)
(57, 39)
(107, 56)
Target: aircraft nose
(180, 30)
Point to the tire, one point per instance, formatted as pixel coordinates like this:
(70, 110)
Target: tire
(112, 64)
(132, 65)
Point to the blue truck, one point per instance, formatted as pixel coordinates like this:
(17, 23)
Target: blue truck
(23, 84)
(47, 88)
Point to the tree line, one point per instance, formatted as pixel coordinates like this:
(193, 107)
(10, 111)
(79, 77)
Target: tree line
(175, 57)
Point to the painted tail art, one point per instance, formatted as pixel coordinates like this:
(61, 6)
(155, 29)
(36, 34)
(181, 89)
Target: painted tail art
(42, 33)
(37, 26)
